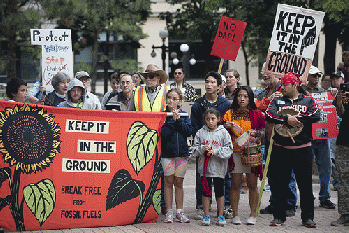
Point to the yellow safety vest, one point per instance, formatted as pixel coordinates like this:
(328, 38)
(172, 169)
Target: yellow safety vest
(142, 102)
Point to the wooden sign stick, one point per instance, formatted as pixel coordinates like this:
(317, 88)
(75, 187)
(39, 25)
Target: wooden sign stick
(220, 65)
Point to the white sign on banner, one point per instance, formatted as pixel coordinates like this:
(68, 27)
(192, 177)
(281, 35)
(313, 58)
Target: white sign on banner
(296, 30)
(56, 53)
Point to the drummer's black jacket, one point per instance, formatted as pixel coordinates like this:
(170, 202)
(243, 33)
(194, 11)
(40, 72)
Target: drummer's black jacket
(309, 113)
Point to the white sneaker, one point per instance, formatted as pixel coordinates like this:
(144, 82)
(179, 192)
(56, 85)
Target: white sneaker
(181, 217)
(169, 216)
(236, 220)
(251, 221)
(199, 214)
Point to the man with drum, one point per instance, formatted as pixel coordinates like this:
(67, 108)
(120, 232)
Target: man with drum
(262, 101)
(294, 114)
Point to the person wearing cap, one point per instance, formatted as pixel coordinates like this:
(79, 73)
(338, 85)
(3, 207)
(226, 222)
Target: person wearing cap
(337, 78)
(187, 90)
(152, 96)
(85, 78)
(222, 86)
(60, 82)
(76, 97)
(263, 99)
(288, 154)
(321, 147)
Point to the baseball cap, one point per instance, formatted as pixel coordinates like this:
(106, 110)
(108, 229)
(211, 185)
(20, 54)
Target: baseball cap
(81, 74)
(223, 78)
(314, 70)
(337, 74)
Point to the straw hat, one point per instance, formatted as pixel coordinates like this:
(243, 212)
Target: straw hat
(154, 69)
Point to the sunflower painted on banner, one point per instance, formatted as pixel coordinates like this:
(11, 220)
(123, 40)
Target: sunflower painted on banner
(29, 142)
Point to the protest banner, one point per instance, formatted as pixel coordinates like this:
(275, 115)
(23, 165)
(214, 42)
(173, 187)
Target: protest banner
(327, 126)
(228, 39)
(56, 53)
(294, 39)
(72, 168)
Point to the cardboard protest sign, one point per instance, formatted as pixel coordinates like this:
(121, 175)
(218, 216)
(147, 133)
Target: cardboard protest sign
(294, 39)
(72, 168)
(327, 126)
(228, 38)
(56, 53)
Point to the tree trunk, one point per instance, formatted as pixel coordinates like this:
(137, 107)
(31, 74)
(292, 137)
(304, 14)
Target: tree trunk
(94, 62)
(247, 64)
(207, 45)
(332, 32)
(11, 66)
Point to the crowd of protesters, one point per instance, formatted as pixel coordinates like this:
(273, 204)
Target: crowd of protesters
(225, 114)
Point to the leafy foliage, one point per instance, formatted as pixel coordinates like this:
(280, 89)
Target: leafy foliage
(88, 17)
(157, 201)
(141, 144)
(123, 188)
(40, 199)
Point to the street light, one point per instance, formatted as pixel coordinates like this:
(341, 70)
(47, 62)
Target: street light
(163, 35)
(185, 59)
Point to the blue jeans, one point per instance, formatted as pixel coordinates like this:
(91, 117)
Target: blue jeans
(321, 151)
(333, 147)
(291, 192)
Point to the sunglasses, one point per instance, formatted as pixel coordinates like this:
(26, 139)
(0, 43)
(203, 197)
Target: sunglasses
(178, 73)
(149, 76)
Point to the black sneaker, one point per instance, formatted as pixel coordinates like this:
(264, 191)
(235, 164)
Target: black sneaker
(327, 204)
(309, 223)
(267, 210)
(277, 222)
(290, 213)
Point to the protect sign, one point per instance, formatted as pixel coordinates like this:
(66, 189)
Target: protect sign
(56, 53)
(228, 39)
(294, 39)
(73, 168)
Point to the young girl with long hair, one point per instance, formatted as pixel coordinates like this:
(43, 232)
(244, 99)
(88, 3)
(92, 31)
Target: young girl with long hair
(243, 116)
(213, 146)
(175, 152)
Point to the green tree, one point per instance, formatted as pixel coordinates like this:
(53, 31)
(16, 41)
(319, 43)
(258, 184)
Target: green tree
(196, 19)
(89, 18)
(200, 19)
(16, 18)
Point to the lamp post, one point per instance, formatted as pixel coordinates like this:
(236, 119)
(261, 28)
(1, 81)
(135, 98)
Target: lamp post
(163, 35)
(185, 59)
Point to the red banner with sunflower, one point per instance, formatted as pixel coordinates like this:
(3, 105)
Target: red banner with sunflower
(71, 168)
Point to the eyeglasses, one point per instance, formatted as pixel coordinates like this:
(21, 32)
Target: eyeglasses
(173, 99)
(230, 76)
(179, 73)
(149, 76)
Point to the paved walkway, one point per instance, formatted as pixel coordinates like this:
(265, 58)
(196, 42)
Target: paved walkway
(323, 217)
